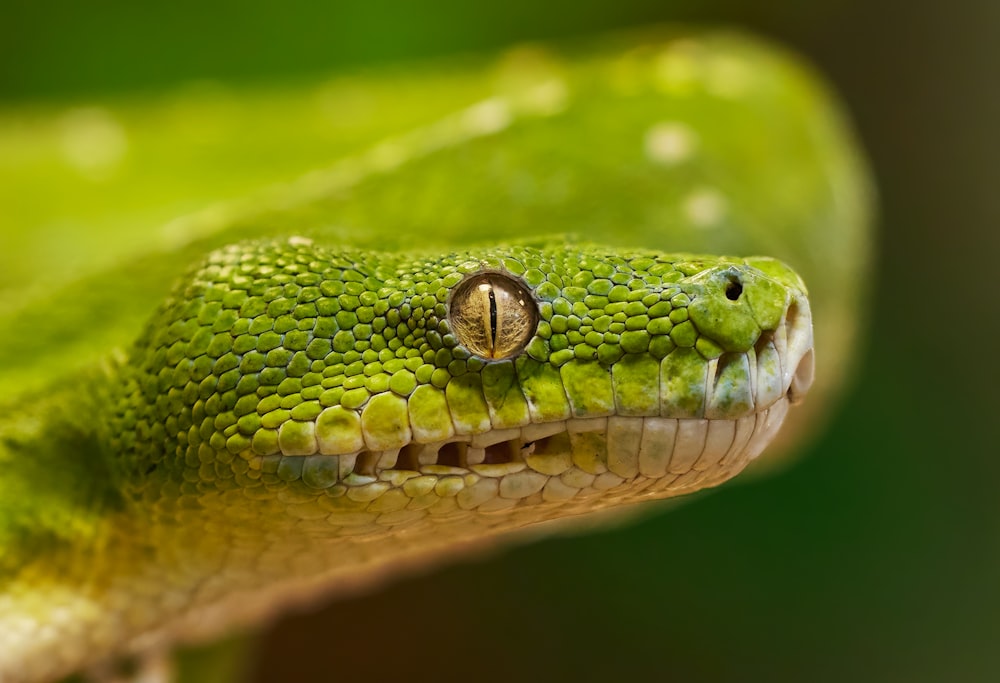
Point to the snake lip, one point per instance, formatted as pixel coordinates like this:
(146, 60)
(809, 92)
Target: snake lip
(629, 457)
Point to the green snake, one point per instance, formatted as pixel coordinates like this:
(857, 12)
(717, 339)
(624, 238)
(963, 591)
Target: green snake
(498, 316)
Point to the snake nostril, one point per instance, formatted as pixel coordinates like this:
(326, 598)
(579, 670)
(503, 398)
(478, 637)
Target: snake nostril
(734, 288)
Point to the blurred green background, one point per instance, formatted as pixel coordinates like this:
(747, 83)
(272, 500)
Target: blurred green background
(875, 557)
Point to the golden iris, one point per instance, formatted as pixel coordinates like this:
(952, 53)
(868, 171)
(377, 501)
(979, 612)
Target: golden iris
(492, 314)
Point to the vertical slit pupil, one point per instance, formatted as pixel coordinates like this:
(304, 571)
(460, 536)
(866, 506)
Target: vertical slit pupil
(493, 318)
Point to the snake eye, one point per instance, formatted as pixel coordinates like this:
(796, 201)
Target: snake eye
(492, 315)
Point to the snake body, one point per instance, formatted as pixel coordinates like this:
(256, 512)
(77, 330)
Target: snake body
(307, 411)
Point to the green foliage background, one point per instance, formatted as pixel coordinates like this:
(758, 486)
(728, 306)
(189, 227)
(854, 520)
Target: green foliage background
(875, 557)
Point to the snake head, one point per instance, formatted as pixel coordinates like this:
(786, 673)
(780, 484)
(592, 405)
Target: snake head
(374, 389)
(294, 411)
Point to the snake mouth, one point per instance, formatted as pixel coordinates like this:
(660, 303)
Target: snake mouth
(590, 462)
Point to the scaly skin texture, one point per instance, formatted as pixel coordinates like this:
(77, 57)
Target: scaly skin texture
(299, 415)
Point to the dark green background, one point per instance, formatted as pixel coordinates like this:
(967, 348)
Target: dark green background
(876, 557)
